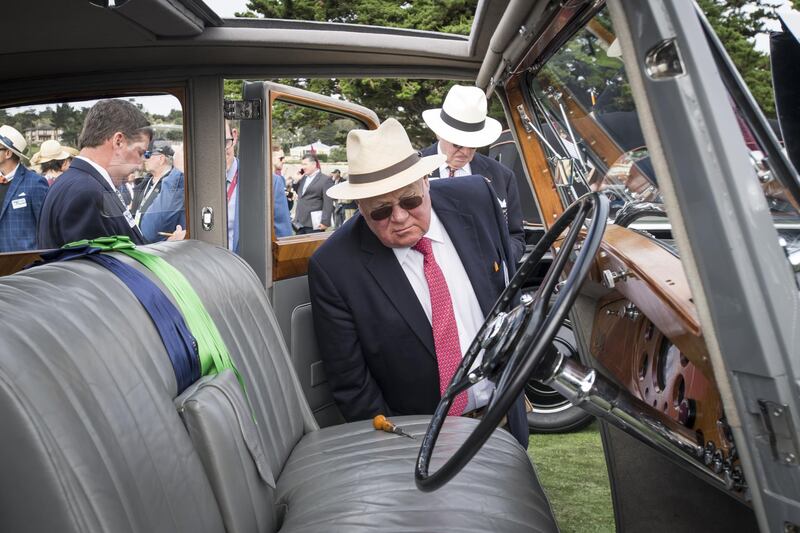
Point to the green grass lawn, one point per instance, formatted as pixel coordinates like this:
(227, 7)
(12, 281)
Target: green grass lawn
(572, 469)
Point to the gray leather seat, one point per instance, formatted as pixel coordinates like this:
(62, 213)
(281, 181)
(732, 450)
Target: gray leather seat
(94, 438)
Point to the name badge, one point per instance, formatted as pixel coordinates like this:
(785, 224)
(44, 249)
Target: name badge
(129, 218)
(19, 203)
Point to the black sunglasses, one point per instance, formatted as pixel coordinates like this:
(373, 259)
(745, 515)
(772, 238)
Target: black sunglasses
(384, 212)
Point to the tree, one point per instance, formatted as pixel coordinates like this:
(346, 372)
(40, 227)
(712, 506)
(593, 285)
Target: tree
(737, 22)
(401, 98)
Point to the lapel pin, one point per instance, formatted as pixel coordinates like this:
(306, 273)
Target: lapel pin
(496, 267)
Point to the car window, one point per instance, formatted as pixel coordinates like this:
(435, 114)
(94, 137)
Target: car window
(309, 142)
(588, 124)
(38, 143)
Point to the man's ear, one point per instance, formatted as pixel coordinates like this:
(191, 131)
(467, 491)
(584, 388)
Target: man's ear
(117, 139)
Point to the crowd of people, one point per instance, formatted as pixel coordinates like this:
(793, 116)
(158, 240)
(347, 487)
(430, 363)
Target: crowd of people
(121, 182)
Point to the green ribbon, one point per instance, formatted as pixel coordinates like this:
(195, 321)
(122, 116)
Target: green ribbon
(214, 356)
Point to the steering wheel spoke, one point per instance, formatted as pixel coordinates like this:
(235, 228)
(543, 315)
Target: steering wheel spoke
(513, 342)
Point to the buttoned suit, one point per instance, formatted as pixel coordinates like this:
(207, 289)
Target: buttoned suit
(504, 183)
(375, 339)
(81, 204)
(21, 209)
(313, 198)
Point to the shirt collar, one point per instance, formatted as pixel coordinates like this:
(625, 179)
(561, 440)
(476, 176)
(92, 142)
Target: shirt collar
(103, 172)
(10, 175)
(444, 166)
(435, 233)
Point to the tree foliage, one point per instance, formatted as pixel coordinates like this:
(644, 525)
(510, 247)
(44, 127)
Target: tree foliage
(401, 98)
(737, 22)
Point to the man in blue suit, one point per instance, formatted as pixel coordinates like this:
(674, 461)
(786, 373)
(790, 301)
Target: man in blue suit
(461, 126)
(399, 292)
(85, 202)
(22, 194)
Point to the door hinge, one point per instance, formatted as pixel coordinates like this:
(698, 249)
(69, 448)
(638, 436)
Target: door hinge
(777, 421)
(242, 109)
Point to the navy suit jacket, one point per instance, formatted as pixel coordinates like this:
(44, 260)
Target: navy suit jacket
(374, 337)
(505, 185)
(82, 205)
(18, 224)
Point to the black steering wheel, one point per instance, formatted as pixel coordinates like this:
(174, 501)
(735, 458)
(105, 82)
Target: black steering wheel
(514, 341)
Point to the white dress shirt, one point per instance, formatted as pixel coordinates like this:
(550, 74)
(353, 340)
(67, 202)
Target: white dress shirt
(469, 316)
(444, 170)
(10, 175)
(308, 181)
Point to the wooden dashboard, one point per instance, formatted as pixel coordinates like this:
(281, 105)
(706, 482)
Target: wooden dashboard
(647, 336)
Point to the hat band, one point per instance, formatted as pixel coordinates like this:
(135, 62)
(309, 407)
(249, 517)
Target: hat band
(8, 142)
(463, 126)
(388, 172)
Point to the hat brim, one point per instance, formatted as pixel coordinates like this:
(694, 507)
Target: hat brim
(13, 150)
(358, 191)
(471, 139)
(58, 157)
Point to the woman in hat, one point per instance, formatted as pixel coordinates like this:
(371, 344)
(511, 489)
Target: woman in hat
(53, 159)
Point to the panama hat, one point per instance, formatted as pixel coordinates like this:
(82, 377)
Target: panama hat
(13, 140)
(381, 161)
(49, 151)
(462, 118)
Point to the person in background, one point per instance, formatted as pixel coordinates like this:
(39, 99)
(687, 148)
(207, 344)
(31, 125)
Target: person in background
(314, 208)
(462, 126)
(232, 185)
(282, 220)
(53, 159)
(22, 194)
(399, 292)
(161, 208)
(84, 202)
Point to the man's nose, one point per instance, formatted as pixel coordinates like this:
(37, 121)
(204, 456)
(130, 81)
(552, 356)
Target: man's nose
(398, 213)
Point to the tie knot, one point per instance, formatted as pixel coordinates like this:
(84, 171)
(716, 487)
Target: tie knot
(423, 246)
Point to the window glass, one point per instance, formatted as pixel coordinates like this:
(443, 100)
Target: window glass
(587, 122)
(309, 157)
(38, 143)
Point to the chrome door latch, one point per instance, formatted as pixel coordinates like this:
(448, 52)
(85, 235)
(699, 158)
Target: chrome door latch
(207, 218)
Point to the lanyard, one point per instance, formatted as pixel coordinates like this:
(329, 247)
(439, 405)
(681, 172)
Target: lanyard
(232, 185)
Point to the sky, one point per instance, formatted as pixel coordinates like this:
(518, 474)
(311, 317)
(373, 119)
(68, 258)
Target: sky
(226, 8)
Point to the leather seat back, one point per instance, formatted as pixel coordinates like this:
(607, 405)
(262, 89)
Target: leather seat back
(92, 440)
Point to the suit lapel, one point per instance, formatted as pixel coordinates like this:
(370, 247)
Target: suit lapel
(16, 183)
(382, 264)
(462, 231)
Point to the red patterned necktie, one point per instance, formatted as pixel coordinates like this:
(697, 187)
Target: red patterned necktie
(443, 320)
(3, 180)
(452, 171)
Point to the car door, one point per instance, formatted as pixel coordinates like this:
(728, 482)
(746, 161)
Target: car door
(740, 278)
(266, 110)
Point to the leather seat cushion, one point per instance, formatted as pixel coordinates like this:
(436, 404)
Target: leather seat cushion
(352, 478)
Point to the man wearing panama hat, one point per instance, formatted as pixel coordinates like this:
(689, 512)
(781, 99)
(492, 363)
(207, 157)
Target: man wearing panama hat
(53, 159)
(461, 126)
(399, 292)
(22, 194)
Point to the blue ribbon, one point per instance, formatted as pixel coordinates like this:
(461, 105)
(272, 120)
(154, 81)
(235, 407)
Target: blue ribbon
(179, 342)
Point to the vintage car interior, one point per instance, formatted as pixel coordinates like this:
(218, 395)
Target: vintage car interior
(669, 246)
